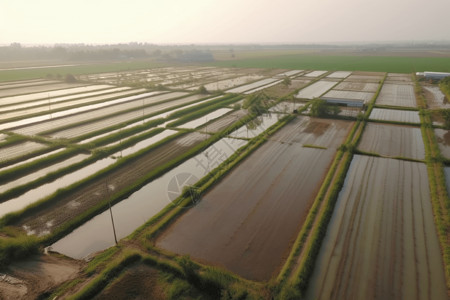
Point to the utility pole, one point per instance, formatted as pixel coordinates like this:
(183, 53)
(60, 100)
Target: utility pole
(110, 211)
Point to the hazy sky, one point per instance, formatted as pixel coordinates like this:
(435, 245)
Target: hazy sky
(224, 21)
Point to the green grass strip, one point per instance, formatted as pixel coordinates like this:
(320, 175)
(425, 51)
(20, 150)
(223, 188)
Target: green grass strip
(314, 146)
(113, 270)
(440, 199)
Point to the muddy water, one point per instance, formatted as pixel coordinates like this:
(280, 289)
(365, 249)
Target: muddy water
(381, 242)
(47, 189)
(205, 119)
(129, 214)
(247, 222)
(443, 139)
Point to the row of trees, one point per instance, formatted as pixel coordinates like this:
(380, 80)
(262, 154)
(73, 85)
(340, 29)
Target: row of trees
(105, 52)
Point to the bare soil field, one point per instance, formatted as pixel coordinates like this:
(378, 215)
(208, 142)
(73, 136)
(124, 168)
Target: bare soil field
(397, 95)
(381, 242)
(248, 221)
(405, 116)
(46, 220)
(35, 276)
(393, 141)
(137, 282)
(443, 139)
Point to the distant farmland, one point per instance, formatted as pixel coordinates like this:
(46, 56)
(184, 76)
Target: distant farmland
(396, 64)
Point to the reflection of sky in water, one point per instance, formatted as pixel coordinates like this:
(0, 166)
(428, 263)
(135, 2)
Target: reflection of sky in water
(96, 234)
(68, 179)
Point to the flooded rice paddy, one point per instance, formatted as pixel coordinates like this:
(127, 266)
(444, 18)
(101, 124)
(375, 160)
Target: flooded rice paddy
(339, 74)
(248, 220)
(404, 116)
(393, 141)
(381, 242)
(397, 95)
(316, 89)
(42, 172)
(18, 150)
(65, 89)
(206, 118)
(129, 214)
(47, 189)
(315, 73)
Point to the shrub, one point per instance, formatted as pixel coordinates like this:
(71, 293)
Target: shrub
(69, 78)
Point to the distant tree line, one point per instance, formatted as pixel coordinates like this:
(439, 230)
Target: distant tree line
(81, 52)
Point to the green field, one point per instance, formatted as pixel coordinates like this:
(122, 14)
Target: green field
(84, 68)
(282, 59)
(396, 64)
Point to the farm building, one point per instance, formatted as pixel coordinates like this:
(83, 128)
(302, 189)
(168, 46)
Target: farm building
(433, 75)
(348, 98)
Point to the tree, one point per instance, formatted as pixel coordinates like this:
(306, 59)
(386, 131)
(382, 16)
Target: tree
(445, 113)
(287, 81)
(69, 78)
(320, 108)
(202, 90)
(257, 103)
